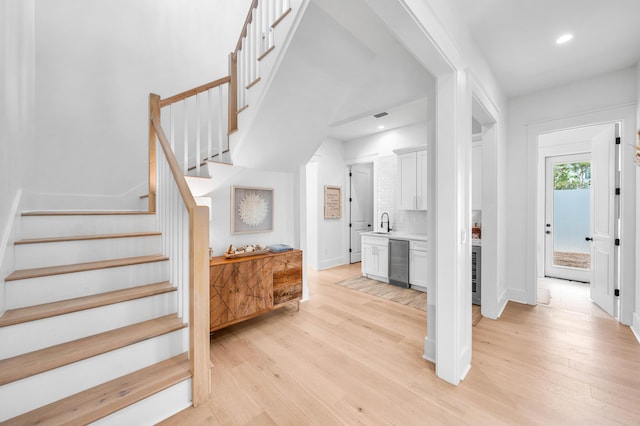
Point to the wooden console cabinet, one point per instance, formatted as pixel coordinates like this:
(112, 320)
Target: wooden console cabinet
(246, 287)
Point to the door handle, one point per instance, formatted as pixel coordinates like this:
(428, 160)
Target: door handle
(588, 239)
(369, 225)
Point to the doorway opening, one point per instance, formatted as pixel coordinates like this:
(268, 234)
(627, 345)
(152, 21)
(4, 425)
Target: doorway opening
(360, 206)
(568, 217)
(580, 220)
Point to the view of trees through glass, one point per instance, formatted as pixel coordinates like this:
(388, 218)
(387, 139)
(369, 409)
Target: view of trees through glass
(572, 176)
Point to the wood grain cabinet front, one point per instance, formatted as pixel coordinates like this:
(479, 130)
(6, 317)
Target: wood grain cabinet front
(243, 288)
(287, 277)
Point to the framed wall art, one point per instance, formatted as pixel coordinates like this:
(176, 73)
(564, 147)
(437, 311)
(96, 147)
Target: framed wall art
(332, 202)
(251, 210)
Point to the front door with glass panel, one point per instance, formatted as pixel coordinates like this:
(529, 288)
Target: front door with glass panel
(568, 217)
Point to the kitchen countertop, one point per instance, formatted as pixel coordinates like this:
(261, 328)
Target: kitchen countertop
(397, 235)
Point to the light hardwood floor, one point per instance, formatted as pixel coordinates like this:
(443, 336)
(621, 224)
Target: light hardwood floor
(350, 358)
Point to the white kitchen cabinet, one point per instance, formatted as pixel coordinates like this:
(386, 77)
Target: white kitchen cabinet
(412, 178)
(476, 176)
(375, 257)
(418, 263)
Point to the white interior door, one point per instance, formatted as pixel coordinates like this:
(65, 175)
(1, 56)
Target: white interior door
(568, 217)
(361, 207)
(603, 219)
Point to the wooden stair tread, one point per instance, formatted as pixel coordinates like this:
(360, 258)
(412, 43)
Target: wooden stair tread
(22, 274)
(32, 363)
(46, 310)
(85, 213)
(95, 403)
(86, 237)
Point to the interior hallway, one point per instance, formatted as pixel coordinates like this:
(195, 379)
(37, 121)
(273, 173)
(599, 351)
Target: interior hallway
(350, 358)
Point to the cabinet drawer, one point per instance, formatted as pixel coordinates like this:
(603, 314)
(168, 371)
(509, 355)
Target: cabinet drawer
(286, 293)
(418, 245)
(287, 269)
(376, 241)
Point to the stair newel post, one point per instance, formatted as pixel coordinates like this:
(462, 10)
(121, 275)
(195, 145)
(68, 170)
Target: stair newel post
(233, 92)
(199, 301)
(154, 113)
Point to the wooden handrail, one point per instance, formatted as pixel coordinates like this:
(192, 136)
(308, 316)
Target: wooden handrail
(185, 192)
(247, 21)
(199, 349)
(192, 92)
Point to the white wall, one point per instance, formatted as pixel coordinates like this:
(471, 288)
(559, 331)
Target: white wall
(17, 104)
(594, 95)
(331, 248)
(96, 64)
(283, 227)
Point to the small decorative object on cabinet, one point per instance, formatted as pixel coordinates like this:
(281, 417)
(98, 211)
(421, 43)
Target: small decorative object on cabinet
(245, 287)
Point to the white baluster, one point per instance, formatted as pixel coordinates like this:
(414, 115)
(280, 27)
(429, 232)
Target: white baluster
(198, 151)
(209, 124)
(220, 107)
(185, 147)
(172, 129)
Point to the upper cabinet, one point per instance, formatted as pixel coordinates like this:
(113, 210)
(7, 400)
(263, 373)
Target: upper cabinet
(412, 179)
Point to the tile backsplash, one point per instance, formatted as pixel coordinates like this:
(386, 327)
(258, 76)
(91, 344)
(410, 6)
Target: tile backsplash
(406, 221)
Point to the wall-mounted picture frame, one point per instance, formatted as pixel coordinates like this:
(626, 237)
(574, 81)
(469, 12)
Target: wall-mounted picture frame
(251, 210)
(332, 202)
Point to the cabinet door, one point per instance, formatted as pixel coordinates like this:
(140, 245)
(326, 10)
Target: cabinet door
(418, 268)
(222, 291)
(407, 179)
(421, 180)
(254, 283)
(382, 261)
(369, 259)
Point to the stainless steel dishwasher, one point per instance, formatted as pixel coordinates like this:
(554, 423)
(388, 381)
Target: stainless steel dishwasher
(399, 263)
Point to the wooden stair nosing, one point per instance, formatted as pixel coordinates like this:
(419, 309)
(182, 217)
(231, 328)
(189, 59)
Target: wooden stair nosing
(86, 237)
(86, 213)
(36, 362)
(46, 310)
(105, 399)
(23, 274)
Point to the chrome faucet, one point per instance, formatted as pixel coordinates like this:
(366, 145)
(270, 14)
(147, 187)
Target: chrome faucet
(382, 221)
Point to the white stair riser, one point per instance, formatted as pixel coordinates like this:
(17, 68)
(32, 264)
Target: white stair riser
(40, 255)
(153, 409)
(52, 288)
(64, 226)
(35, 391)
(34, 335)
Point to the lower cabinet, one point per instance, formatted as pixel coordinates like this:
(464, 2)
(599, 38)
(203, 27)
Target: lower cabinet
(418, 263)
(375, 256)
(245, 287)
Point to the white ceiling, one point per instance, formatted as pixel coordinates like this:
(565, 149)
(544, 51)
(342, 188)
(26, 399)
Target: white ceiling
(517, 37)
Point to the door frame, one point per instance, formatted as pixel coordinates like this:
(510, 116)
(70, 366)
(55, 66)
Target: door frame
(626, 116)
(567, 273)
(347, 197)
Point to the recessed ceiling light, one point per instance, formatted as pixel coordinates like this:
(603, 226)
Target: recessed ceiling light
(564, 38)
(380, 127)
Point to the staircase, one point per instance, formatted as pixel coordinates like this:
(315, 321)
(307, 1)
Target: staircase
(106, 316)
(91, 329)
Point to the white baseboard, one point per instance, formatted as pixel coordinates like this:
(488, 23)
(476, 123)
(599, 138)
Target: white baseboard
(635, 326)
(519, 296)
(429, 350)
(502, 304)
(331, 263)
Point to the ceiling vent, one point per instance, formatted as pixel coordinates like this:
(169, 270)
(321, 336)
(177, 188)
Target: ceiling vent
(380, 114)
